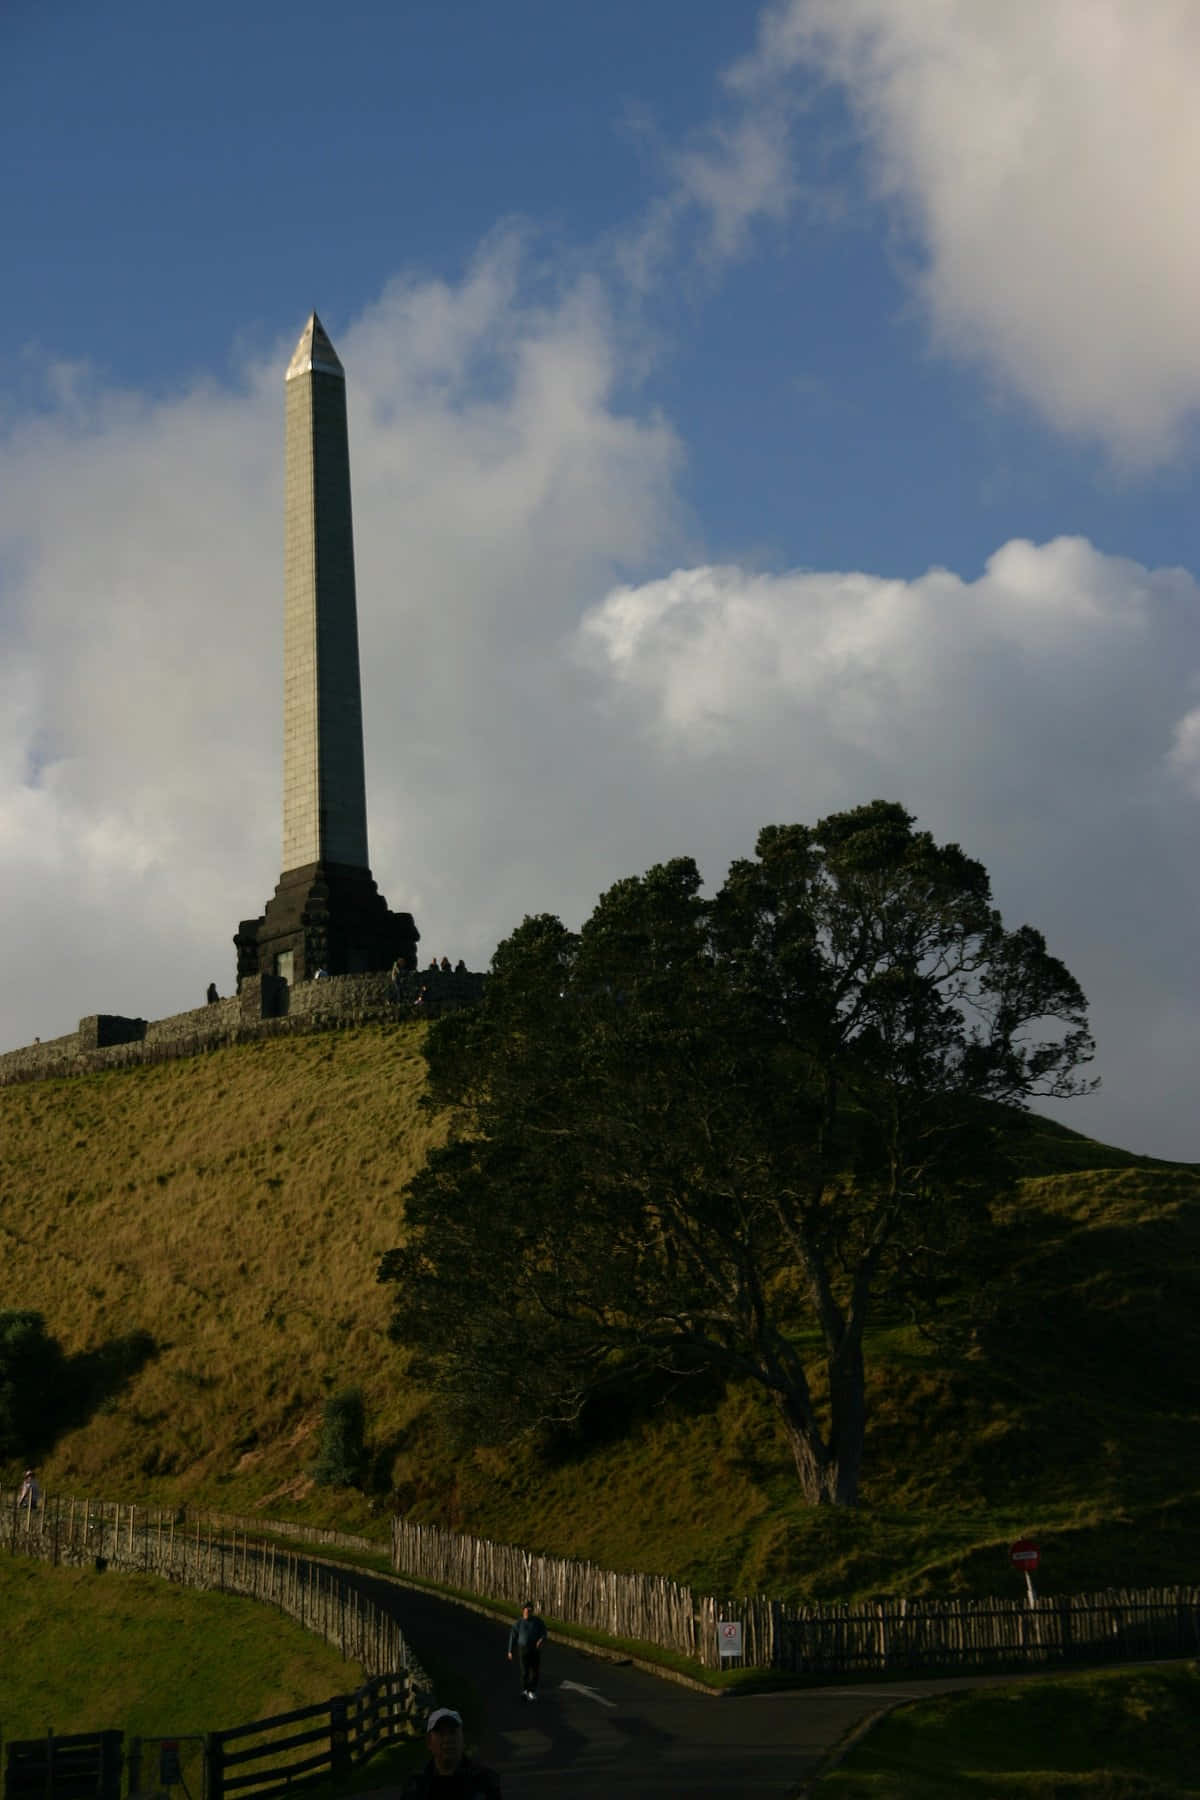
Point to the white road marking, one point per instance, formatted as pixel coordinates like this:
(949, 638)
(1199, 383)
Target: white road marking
(591, 1692)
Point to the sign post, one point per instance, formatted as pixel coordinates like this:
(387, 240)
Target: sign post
(729, 1637)
(1025, 1556)
(170, 1765)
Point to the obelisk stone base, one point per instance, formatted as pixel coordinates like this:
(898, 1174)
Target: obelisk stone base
(327, 916)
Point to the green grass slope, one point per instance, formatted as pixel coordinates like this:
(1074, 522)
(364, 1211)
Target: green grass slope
(1119, 1735)
(234, 1207)
(189, 1662)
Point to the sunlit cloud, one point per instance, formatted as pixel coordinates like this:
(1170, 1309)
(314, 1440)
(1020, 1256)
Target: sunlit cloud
(1039, 159)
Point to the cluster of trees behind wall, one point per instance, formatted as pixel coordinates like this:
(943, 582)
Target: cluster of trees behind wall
(711, 1133)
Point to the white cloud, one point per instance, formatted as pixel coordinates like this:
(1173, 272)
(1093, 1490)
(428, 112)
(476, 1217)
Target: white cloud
(1043, 156)
(1184, 758)
(717, 184)
(1041, 715)
(738, 174)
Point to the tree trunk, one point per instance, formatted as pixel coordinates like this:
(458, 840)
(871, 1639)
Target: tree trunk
(829, 1472)
(810, 1453)
(848, 1406)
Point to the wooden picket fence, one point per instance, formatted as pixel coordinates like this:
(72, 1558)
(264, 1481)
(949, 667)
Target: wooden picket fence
(157, 1541)
(867, 1637)
(253, 1524)
(650, 1608)
(822, 1640)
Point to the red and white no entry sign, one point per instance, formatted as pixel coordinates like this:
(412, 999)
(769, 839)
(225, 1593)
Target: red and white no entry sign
(1025, 1555)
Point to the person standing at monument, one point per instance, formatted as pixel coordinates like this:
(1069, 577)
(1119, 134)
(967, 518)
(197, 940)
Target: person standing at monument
(526, 1638)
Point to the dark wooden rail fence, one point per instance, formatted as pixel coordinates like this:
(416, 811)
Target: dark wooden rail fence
(84, 1766)
(153, 1540)
(831, 1639)
(260, 1760)
(311, 1744)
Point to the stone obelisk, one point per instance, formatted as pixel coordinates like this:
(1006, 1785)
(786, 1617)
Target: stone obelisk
(326, 912)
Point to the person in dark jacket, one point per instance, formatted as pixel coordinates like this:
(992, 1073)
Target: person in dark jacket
(450, 1772)
(527, 1636)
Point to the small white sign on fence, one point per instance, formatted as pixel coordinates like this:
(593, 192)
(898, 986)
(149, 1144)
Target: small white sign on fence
(729, 1637)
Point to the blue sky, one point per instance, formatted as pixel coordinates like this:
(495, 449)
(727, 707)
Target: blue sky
(685, 345)
(180, 184)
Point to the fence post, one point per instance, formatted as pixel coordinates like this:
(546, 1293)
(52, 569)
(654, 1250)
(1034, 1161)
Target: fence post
(339, 1739)
(110, 1765)
(214, 1756)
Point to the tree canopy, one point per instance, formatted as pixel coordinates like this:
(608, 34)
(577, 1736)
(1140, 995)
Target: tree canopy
(707, 1133)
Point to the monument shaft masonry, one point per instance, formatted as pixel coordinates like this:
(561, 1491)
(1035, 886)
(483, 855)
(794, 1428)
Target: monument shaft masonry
(326, 911)
(324, 787)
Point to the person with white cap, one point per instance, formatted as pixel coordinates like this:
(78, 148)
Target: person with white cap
(30, 1494)
(450, 1772)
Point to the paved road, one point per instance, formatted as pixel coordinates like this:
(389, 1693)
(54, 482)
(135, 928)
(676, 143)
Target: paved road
(599, 1728)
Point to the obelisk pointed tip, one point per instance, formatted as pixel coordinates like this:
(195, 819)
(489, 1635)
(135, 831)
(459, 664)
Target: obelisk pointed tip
(314, 351)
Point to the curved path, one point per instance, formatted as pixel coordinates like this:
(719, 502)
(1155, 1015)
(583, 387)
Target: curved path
(599, 1727)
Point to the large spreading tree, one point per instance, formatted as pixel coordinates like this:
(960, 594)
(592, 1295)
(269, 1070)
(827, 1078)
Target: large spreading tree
(710, 1133)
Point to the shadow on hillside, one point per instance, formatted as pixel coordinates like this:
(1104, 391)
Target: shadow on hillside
(86, 1383)
(381, 1457)
(631, 1398)
(1085, 1382)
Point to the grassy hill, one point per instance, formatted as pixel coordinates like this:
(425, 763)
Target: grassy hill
(233, 1209)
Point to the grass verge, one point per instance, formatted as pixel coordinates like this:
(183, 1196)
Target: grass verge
(1116, 1735)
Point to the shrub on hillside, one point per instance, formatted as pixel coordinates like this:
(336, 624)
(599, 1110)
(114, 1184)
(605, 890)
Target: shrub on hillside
(343, 1453)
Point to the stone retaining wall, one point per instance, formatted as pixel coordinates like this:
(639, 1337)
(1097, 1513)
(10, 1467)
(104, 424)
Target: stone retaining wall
(263, 1007)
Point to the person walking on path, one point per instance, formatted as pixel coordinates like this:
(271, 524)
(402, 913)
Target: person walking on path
(30, 1494)
(527, 1636)
(450, 1772)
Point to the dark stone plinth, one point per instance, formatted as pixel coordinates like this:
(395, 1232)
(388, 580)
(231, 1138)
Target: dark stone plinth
(262, 997)
(99, 1030)
(330, 916)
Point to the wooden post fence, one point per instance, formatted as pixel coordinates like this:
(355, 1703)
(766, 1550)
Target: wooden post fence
(831, 1639)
